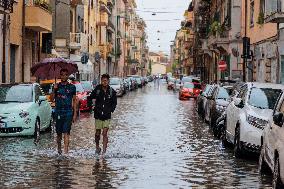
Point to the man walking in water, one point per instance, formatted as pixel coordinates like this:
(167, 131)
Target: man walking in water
(65, 109)
(105, 104)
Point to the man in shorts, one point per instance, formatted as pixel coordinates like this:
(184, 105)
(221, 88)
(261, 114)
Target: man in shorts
(65, 109)
(105, 104)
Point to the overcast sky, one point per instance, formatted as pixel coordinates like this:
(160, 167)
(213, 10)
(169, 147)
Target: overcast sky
(170, 16)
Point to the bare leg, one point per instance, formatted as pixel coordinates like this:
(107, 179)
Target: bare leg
(66, 143)
(105, 139)
(59, 138)
(97, 140)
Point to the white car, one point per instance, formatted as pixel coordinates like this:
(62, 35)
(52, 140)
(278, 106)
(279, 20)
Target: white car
(248, 114)
(272, 146)
(24, 110)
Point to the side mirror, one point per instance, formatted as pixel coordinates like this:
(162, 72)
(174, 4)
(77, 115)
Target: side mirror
(201, 92)
(278, 119)
(41, 99)
(239, 102)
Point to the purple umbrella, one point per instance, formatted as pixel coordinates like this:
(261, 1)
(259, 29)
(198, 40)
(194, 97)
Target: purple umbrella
(50, 68)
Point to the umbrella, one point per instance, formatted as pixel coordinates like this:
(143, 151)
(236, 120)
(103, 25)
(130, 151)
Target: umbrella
(50, 68)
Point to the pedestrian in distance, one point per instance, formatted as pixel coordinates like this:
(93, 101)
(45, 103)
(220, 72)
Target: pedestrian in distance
(105, 104)
(65, 109)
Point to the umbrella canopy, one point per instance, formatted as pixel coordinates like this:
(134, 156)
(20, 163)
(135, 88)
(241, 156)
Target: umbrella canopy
(50, 68)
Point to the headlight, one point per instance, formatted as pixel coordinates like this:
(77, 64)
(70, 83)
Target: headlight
(256, 122)
(220, 108)
(23, 114)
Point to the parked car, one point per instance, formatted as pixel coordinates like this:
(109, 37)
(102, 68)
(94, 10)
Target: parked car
(177, 84)
(189, 90)
(138, 81)
(272, 146)
(132, 84)
(88, 86)
(201, 100)
(248, 114)
(171, 83)
(126, 85)
(217, 103)
(82, 96)
(117, 84)
(24, 110)
(190, 79)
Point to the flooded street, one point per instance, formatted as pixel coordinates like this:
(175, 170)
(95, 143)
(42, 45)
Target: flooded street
(156, 141)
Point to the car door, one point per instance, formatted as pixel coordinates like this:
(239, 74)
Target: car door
(273, 134)
(233, 112)
(208, 103)
(42, 108)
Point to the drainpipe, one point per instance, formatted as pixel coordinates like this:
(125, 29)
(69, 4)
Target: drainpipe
(23, 40)
(4, 50)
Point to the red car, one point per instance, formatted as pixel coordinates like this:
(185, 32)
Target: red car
(189, 90)
(82, 96)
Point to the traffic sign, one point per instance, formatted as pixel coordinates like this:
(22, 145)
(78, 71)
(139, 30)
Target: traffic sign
(222, 65)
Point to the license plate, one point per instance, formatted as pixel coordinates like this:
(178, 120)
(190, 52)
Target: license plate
(2, 125)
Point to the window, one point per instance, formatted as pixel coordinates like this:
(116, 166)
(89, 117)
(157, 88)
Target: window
(252, 13)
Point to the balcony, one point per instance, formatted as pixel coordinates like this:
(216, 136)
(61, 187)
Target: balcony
(111, 26)
(103, 20)
(38, 18)
(78, 41)
(75, 3)
(104, 8)
(274, 11)
(6, 6)
(103, 50)
(218, 39)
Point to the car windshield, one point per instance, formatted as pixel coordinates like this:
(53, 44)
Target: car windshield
(79, 88)
(264, 98)
(87, 86)
(189, 85)
(224, 93)
(114, 81)
(16, 93)
(47, 88)
(187, 79)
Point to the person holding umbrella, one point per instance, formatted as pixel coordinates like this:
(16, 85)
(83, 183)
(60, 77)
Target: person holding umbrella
(64, 95)
(65, 109)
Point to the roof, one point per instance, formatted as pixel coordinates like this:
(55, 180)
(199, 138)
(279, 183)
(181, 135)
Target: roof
(153, 54)
(266, 85)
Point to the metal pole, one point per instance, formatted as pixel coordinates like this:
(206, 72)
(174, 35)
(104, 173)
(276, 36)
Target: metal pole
(245, 57)
(4, 51)
(23, 40)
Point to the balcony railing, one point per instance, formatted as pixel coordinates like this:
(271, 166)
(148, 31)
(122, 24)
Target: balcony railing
(274, 11)
(78, 41)
(6, 6)
(222, 38)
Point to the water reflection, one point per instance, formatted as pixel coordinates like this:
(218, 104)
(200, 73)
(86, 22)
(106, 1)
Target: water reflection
(156, 141)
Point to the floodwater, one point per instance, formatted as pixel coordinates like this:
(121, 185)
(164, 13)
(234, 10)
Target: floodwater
(156, 141)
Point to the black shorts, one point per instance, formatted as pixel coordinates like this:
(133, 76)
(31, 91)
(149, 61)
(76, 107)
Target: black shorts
(63, 122)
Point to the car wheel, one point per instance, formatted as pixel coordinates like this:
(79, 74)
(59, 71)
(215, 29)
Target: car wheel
(277, 183)
(37, 131)
(262, 165)
(237, 144)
